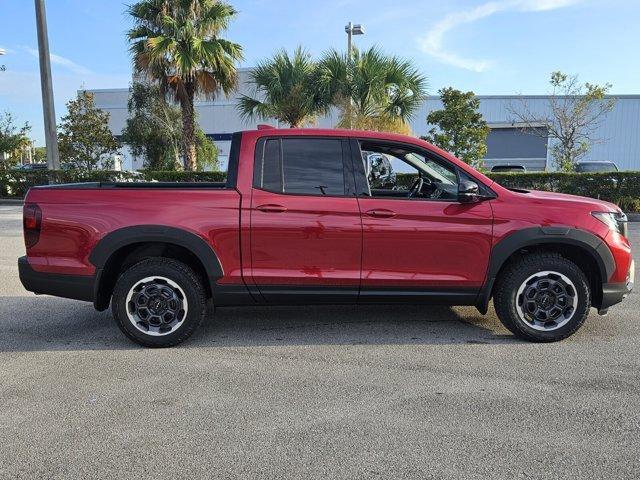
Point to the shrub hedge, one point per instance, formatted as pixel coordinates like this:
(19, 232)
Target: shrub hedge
(14, 183)
(622, 188)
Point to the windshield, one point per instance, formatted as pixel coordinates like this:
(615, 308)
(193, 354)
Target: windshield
(597, 167)
(438, 172)
(505, 168)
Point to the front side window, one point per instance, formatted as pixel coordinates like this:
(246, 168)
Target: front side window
(309, 166)
(394, 171)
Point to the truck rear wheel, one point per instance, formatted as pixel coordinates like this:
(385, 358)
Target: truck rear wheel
(542, 297)
(158, 302)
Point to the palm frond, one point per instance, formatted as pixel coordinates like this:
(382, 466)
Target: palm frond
(371, 84)
(182, 37)
(285, 89)
(251, 108)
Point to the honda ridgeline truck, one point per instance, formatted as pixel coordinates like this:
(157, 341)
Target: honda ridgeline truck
(302, 219)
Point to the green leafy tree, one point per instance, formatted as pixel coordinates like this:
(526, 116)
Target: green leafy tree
(40, 155)
(178, 43)
(285, 89)
(459, 128)
(12, 139)
(154, 132)
(206, 152)
(371, 88)
(84, 138)
(154, 128)
(575, 111)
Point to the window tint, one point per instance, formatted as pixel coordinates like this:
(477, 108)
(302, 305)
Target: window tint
(313, 166)
(271, 173)
(596, 167)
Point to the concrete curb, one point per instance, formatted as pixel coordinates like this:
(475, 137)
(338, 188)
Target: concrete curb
(11, 201)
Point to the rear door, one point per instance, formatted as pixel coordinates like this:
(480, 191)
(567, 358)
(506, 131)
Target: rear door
(306, 230)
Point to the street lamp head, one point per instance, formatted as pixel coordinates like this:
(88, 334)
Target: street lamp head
(2, 51)
(354, 29)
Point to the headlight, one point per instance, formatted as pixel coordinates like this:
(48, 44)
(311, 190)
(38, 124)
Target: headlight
(616, 221)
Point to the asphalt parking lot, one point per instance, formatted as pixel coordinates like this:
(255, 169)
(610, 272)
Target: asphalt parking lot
(317, 392)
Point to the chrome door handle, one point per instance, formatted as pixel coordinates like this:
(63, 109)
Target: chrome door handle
(271, 208)
(381, 213)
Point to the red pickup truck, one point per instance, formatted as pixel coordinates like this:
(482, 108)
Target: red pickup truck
(308, 217)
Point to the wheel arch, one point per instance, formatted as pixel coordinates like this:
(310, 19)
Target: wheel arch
(138, 242)
(580, 246)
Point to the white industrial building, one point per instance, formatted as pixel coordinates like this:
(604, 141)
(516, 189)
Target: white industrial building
(619, 131)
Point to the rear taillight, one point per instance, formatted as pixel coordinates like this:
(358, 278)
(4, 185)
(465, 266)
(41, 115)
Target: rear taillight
(32, 223)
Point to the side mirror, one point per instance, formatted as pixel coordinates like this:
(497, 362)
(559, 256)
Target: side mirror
(468, 192)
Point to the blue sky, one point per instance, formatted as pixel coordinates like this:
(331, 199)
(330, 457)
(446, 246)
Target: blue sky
(490, 46)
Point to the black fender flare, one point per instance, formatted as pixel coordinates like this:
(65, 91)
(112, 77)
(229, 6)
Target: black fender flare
(114, 241)
(527, 237)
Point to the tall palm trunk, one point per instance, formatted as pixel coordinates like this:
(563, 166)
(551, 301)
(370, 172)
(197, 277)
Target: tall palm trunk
(188, 127)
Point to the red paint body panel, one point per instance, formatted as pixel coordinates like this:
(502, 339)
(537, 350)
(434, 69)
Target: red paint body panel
(316, 240)
(514, 211)
(73, 221)
(426, 243)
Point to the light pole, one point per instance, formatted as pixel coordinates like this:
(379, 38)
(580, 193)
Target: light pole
(53, 158)
(352, 30)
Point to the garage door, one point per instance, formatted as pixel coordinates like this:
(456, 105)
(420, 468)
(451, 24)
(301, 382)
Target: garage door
(516, 146)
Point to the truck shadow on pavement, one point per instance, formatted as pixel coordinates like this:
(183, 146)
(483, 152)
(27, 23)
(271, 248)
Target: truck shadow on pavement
(32, 323)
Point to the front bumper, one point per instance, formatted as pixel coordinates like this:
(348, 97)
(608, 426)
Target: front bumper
(613, 293)
(77, 287)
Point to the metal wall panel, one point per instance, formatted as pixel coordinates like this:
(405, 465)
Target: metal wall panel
(619, 132)
(515, 143)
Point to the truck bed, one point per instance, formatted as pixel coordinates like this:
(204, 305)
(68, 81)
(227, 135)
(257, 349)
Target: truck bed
(75, 217)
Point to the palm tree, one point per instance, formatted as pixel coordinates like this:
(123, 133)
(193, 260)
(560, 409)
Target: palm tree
(285, 89)
(372, 89)
(177, 43)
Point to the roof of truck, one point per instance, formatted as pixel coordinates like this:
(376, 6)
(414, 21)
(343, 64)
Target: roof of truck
(266, 130)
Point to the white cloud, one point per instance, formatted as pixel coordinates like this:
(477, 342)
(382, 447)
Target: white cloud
(432, 43)
(62, 61)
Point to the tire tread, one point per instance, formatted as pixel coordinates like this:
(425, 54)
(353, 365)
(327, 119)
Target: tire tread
(151, 266)
(510, 280)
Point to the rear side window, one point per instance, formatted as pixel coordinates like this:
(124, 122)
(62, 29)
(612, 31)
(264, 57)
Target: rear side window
(272, 166)
(309, 166)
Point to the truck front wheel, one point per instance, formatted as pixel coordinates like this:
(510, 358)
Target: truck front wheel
(158, 302)
(542, 297)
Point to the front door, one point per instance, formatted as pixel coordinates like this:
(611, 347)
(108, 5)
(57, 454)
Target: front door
(418, 241)
(306, 230)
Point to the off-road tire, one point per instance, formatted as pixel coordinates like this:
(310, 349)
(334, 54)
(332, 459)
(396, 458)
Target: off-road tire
(513, 277)
(177, 272)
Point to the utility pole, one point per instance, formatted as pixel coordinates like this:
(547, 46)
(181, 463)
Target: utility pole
(50, 133)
